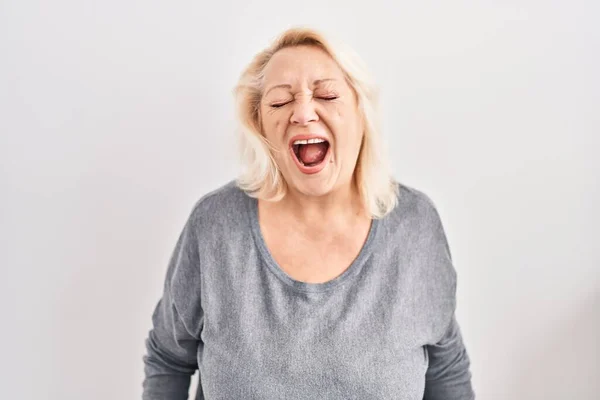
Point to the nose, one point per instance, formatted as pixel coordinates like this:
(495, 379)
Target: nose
(303, 111)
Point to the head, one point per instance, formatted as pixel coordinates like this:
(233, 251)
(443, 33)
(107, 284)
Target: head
(308, 115)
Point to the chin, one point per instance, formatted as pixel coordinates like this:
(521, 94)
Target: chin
(316, 185)
(313, 188)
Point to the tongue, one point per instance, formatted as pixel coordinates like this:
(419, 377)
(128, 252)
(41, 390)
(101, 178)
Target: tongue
(312, 153)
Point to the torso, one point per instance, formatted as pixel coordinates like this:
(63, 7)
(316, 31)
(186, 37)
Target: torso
(267, 337)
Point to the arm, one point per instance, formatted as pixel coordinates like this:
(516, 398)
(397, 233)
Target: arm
(448, 376)
(172, 343)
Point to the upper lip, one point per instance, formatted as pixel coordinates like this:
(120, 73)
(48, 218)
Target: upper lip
(306, 137)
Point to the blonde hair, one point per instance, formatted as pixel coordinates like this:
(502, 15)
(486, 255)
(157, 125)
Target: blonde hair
(261, 178)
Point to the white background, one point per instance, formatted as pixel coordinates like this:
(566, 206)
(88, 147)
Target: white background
(116, 116)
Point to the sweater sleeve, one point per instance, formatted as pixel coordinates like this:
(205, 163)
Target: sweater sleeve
(172, 343)
(448, 376)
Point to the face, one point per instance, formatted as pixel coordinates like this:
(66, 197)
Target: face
(310, 117)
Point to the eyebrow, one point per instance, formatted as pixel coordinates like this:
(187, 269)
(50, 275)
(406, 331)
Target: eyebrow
(288, 86)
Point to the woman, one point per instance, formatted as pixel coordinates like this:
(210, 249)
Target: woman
(315, 275)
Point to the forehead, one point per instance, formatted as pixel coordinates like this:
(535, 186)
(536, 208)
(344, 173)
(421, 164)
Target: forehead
(301, 63)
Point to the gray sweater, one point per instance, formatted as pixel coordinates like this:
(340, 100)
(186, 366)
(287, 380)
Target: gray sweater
(383, 329)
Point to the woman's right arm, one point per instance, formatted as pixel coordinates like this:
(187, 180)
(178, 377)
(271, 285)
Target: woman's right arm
(172, 343)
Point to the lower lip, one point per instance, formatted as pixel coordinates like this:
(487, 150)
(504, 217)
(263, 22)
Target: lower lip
(315, 168)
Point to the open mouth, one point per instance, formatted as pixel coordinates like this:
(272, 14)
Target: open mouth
(310, 152)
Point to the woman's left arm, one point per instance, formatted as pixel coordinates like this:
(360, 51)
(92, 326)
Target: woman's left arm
(448, 376)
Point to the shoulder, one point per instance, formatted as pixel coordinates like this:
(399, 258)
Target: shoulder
(416, 223)
(223, 208)
(414, 197)
(414, 207)
(223, 199)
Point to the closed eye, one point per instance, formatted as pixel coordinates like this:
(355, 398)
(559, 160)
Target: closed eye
(328, 98)
(278, 105)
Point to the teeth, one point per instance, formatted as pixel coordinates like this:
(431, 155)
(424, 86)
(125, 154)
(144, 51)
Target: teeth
(309, 141)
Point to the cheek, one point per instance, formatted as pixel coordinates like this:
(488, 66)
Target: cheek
(273, 125)
(278, 125)
(358, 128)
(349, 127)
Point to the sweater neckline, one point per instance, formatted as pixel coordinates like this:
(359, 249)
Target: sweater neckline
(353, 269)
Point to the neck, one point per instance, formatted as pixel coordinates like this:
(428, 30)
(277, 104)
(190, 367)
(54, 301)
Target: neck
(337, 210)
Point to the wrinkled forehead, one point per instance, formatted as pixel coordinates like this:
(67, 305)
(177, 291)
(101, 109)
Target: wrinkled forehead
(299, 65)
